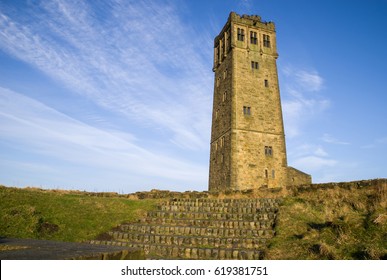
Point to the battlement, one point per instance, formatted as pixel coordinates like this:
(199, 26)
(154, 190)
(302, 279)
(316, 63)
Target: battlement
(253, 20)
(247, 20)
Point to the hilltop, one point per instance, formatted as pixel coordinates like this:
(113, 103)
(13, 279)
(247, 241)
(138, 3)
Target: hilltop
(317, 221)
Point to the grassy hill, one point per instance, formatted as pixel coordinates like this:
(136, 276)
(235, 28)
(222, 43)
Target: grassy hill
(62, 215)
(329, 221)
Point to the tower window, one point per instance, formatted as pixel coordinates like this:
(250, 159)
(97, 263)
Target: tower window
(216, 114)
(266, 83)
(273, 174)
(268, 151)
(266, 174)
(241, 34)
(254, 65)
(224, 97)
(253, 37)
(228, 40)
(246, 111)
(266, 41)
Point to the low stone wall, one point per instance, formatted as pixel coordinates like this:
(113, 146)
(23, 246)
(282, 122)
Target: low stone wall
(380, 184)
(297, 177)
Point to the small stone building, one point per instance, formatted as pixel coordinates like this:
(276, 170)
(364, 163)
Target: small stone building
(247, 139)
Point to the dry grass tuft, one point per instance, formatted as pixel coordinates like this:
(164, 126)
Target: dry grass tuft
(332, 223)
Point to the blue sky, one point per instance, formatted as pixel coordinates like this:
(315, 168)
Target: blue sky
(117, 95)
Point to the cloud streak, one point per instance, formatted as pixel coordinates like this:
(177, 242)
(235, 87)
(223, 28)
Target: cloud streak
(332, 140)
(32, 126)
(125, 63)
(301, 101)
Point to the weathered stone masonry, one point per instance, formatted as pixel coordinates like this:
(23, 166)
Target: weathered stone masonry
(247, 139)
(203, 228)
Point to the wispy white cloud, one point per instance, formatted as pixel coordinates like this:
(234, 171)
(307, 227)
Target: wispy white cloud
(32, 126)
(332, 140)
(375, 143)
(301, 101)
(311, 157)
(245, 5)
(126, 62)
(314, 163)
(309, 81)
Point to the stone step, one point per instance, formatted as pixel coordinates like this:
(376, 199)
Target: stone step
(194, 231)
(226, 200)
(259, 224)
(201, 229)
(212, 216)
(220, 203)
(218, 209)
(186, 240)
(160, 251)
(242, 205)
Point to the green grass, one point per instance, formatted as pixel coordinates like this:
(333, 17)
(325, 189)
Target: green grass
(65, 216)
(335, 223)
(331, 224)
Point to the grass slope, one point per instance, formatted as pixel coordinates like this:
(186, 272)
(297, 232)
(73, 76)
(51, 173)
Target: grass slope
(332, 223)
(314, 223)
(64, 216)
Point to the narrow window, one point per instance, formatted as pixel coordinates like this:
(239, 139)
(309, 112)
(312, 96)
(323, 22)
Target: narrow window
(266, 41)
(266, 83)
(216, 114)
(241, 34)
(268, 151)
(254, 65)
(224, 98)
(266, 174)
(224, 74)
(228, 40)
(217, 81)
(273, 174)
(246, 111)
(253, 37)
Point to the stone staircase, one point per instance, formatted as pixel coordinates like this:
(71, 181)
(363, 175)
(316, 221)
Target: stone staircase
(201, 229)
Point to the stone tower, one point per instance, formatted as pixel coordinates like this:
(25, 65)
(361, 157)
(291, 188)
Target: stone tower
(247, 139)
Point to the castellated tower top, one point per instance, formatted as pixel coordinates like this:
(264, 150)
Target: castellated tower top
(245, 32)
(247, 20)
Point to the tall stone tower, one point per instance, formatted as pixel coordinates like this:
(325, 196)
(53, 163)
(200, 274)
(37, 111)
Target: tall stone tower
(247, 138)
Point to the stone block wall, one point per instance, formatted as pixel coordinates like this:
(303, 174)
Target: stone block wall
(247, 137)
